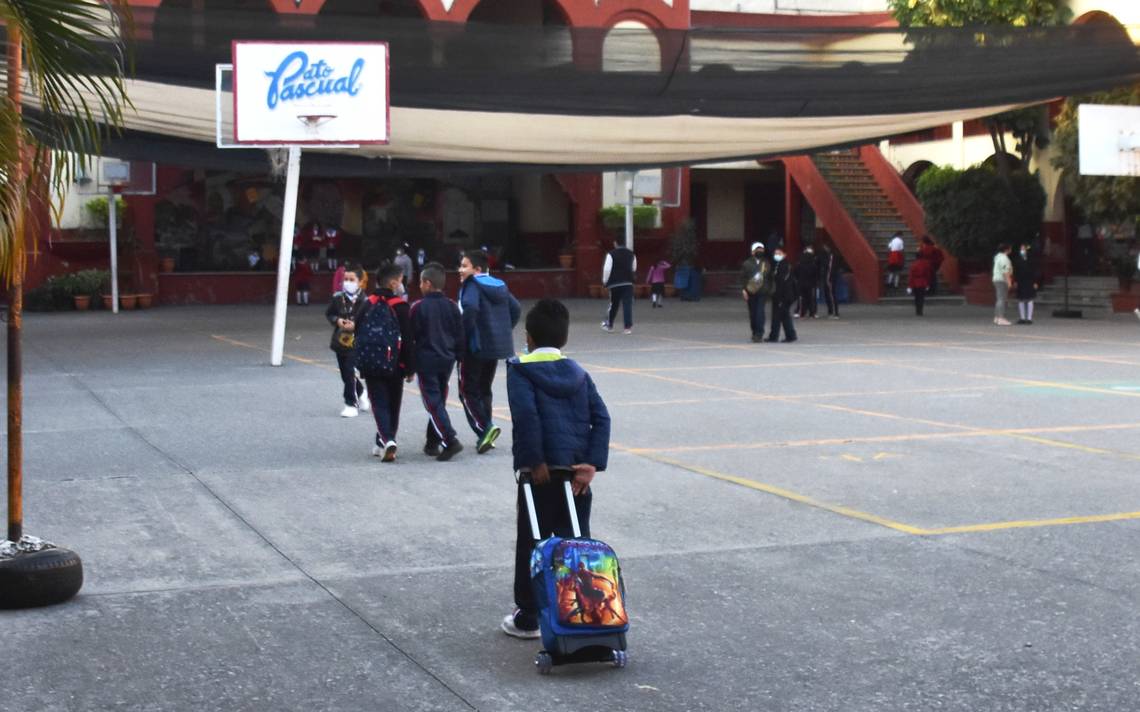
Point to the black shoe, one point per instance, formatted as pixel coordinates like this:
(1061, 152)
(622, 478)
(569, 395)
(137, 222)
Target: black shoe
(432, 449)
(453, 448)
(757, 338)
(1028, 321)
(771, 339)
(1021, 321)
(788, 341)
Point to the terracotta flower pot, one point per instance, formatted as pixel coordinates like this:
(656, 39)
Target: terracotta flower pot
(641, 291)
(145, 300)
(670, 291)
(128, 301)
(82, 301)
(596, 291)
(108, 302)
(566, 261)
(166, 264)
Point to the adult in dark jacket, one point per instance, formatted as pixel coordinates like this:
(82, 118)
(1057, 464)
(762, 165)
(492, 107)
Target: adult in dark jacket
(828, 273)
(807, 278)
(618, 275)
(1027, 279)
(920, 279)
(755, 286)
(490, 313)
(784, 294)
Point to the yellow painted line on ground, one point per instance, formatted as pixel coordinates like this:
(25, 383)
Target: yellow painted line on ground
(854, 440)
(1020, 381)
(1030, 523)
(1022, 336)
(733, 366)
(299, 359)
(1077, 446)
(788, 495)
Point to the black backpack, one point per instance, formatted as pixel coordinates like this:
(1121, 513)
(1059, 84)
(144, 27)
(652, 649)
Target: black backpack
(378, 340)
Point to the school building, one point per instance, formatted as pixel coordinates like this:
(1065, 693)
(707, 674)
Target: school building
(197, 237)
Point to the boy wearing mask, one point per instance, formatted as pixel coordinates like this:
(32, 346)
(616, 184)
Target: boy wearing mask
(343, 313)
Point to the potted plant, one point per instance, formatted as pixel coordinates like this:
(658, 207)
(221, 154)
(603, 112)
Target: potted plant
(166, 264)
(566, 257)
(88, 284)
(145, 300)
(613, 217)
(128, 301)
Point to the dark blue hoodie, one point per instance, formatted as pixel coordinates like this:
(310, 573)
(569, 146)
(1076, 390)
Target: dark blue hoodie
(490, 313)
(557, 415)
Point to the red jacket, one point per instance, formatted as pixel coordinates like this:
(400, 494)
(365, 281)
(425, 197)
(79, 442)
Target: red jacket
(921, 273)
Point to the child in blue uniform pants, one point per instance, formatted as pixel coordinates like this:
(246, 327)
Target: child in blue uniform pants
(388, 393)
(560, 425)
(437, 326)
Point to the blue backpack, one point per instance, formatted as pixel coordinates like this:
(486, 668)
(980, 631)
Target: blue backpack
(378, 340)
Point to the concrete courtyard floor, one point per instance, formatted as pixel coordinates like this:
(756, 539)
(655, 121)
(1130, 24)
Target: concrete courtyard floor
(890, 514)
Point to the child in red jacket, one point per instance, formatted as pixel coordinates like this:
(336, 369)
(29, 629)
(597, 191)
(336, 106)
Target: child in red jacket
(921, 274)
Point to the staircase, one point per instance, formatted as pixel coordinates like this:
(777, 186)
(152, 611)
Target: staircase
(866, 203)
(1092, 295)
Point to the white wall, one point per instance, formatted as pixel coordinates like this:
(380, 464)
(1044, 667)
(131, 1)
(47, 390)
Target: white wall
(790, 6)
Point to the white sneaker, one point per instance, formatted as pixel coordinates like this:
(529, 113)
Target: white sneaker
(349, 412)
(362, 402)
(390, 451)
(1002, 322)
(508, 626)
(1136, 312)
(377, 451)
(606, 327)
(627, 331)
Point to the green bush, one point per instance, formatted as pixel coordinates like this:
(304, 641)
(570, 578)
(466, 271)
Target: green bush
(97, 208)
(56, 293)
(644, 216)
(973, 211)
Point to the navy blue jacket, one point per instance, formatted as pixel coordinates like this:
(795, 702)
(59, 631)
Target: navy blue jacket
(490, 313)
(438, 330)
(557, 415)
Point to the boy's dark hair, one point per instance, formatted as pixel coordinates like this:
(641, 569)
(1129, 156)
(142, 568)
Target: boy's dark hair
(548, 323)
(433, 272)
(354, 268)
(387, 273)
(1003, 247)
(478, 259)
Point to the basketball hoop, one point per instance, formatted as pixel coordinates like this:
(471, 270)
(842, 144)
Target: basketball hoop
(313, 122)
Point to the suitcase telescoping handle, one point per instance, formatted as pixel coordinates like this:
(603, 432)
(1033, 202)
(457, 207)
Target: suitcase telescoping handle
(530, 510)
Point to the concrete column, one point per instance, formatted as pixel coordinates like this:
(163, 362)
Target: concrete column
(959, 138)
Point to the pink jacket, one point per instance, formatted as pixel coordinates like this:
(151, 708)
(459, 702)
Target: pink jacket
(657, 272)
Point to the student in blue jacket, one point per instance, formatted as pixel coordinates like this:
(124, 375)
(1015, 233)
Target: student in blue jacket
(490, 313)
(559, 424)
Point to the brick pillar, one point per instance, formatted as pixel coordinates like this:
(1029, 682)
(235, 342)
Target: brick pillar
(793, 209)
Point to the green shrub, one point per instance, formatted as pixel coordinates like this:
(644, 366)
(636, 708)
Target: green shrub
(973, 211)
(644, 216)
(97, 208)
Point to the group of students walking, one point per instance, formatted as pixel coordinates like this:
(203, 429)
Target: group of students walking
(792, 291)
(434, 335)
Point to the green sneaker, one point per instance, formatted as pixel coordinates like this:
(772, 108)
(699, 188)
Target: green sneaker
(488, 440)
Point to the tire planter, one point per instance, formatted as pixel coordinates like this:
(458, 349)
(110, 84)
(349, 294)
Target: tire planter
(42, 578)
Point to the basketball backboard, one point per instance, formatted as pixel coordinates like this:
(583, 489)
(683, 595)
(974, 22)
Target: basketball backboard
(1109, 140)
(305, 93)
(658, 185)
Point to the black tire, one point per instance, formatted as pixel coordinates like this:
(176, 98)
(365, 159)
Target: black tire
(42, 578)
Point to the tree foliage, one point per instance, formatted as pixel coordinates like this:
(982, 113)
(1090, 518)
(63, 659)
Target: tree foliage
(74, 68)
(965, 13)
(1029, 126)
(1102, 199)
(972, 211)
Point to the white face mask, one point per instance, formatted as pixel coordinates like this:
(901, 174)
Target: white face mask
(400, 291)
(351, 288)
(778, 258)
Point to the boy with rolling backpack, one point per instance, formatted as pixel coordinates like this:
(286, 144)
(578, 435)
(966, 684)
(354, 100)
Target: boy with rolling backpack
(568, 587)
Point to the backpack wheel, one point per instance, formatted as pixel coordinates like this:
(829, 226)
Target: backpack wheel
(620, 658)
(543, 662)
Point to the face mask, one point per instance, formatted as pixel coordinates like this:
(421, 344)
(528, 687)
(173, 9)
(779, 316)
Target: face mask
(351, 288)
(779, 258)
(1024, 253)
(400, 291)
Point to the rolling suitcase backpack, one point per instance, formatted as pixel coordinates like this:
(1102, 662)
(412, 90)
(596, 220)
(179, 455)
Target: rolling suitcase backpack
(581, 596)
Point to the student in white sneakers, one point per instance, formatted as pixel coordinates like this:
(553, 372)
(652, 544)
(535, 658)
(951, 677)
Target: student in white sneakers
(1003, 280)
(343, 313)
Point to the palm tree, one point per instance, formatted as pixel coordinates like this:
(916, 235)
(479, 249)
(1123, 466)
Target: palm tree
(66, 59)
